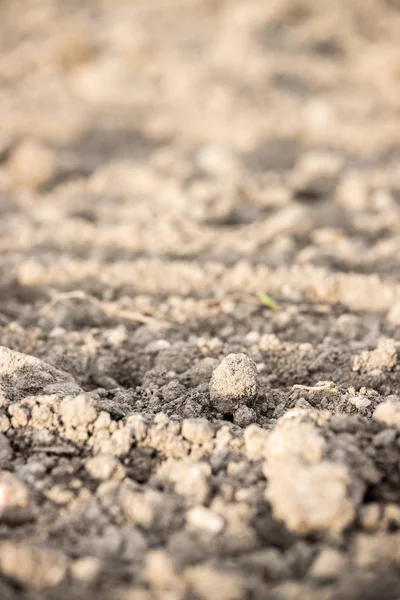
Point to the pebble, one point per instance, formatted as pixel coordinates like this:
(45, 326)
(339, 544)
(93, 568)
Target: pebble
(35, 566)
(31, 164)
(255, 441)
(23, 375)
(233, 382)
(105, 467)
(78, 412)
(244, 415)
(328, 565)
(15, 499)
(202, 518)
(388, 412)
(197, 431)
(86, 569)
(6, 452)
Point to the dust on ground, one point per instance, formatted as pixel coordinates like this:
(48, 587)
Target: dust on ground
(199, 300)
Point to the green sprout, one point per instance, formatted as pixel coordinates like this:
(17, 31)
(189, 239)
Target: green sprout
(267, 301)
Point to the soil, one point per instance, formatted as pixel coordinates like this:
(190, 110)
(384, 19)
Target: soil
(199, 300)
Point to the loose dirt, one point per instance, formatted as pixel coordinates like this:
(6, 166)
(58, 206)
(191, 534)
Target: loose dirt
(199, 300)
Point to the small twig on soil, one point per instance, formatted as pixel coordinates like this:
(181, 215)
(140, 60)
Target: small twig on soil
(311, 388)
(107, 307)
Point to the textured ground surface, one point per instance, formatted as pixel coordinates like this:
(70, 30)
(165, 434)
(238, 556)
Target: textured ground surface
(162, 163)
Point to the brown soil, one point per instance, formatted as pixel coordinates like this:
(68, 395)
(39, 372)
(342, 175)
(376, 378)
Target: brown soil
(183, 180)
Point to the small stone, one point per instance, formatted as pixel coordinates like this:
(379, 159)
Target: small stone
(324, 507)
(244, 415)
(393, 316)
(116, 336)
(118, 444)
(316, 174)
(157, 345)
(204, 519)
(160, 572)
(233, 382)
(33, 566)
(391, 517)
(383, 357)
(190, 478)
(23, 375)
(19, 415)
(197, 431)
(370, 515)
(86, 569)
(6, 452)
(78, 412)
(360, 402)
(4, 423)
(268, 342)
(15, 499)
(328, 565)
(204, 580)
(255, 441)
(60, 495)
(377, 549)
(388, 412)
(105, 467)
(31, 164)
(384, 437)
(139, 508)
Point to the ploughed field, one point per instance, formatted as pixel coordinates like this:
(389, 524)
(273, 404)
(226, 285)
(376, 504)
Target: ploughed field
(199, 300)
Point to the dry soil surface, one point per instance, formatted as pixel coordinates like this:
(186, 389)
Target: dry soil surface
(199, 300)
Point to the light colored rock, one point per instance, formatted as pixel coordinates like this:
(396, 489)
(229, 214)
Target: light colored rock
(19, 415)
(383, 357)
(370, 515)
(78, 412)
(233, 382)
(268, 342)
(33, 566)
(139, 508)
(293, 438)
(388, 412)
(190, 478)
(328, 565)
(60, 495)
(352, 192)
(6, 451)
(86, 569)
(204, 519)
(160, 572)
(205, 582)
(394, 314)
(197, 431)
(105, 467)
(311, 497)
(391, 517)
(138, 426)
(15, 499)
(255, 441)
(22, 375)
(31, 164)
(317, 172)
(377, 549)
(118, 444)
